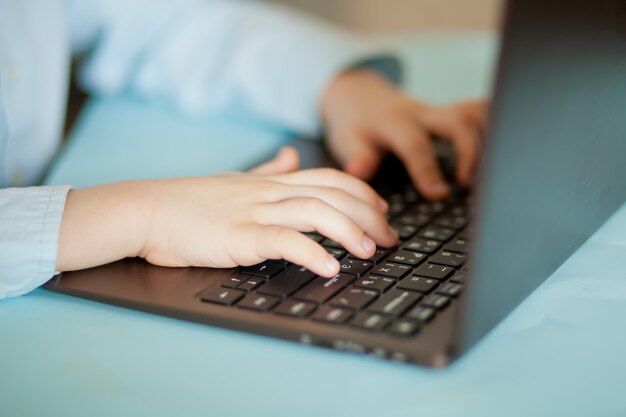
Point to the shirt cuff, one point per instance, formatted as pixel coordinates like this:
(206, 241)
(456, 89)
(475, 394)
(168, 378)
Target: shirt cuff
(30, 219)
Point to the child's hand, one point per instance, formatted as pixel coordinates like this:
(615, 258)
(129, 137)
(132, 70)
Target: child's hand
(366, 116)
(225, 220)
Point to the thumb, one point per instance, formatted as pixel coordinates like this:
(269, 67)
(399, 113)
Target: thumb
(286, 160)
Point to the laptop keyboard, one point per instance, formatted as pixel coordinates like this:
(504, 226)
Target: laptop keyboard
(398, 290)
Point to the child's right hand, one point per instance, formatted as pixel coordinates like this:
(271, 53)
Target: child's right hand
(225, 220)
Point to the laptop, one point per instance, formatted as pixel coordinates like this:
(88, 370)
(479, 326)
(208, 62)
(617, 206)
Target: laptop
(553, 170)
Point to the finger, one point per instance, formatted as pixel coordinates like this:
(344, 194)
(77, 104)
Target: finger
(356, 153)
(287, 160)
(278, 242)
(476, 112)
(415, 150)
(466, 142)
(368, 219)
(327, 177)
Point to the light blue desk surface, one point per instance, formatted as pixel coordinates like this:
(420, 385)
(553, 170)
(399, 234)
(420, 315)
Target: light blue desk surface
(561, 353)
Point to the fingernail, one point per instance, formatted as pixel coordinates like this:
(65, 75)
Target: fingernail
(368, 244)
(382, 205)
(331, 264)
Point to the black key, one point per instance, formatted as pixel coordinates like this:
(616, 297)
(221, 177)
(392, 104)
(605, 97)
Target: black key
(330, 314)
(370, 321)
(395, 302)
(287, 282)
(457, 245)
(264, 269)
(407, 257)
(389, 269)
(321, 289)
(259, 302)
(429, 207)
(436, 301)
(405, 231)
(250, 284)
(373, 282)
(421, 313)
(355, 266)
(235, 280)
(295, 308)
(223, 296)
(467, 233)
(314, 236)
(336, 253)
(422, 245)
(355, 298)
(332, 244)
(459, 277)
(404, 327)
(445, 257)
(451, 222)
(450, 289)
(375, 258)
(415, 283)
(416, 219)
(436, 233)
(433, 271)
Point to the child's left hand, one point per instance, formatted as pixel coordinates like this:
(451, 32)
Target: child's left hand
(366, 116)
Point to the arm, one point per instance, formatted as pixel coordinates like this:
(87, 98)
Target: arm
(214, 55)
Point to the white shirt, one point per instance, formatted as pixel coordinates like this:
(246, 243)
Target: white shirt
(202, 56)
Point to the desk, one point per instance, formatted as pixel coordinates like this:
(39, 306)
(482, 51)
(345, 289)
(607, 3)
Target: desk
(560, 353)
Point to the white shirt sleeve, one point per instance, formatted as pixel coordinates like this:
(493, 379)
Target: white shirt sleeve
(214, 55)
(30, 222)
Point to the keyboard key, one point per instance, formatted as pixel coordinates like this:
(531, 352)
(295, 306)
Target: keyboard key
(370, 321)
(375, 258)
(421, 313)
(295, 308)
(415, 283)
(417, 219)
(429, 207)
(355, 266)
(436, 233)
(316, 237)
(392, 270)
(459, 277)
(321, 289)
(405, 231)
(355, 298)
(451, 222)
(445, 257)
(457, 245)
(330, 314)
(433, 271)
(235, 280)
(395, 302)
(223, 296)
(407, 257)
(287, 282)
(259, 302)
(422, 245)
(450, 289)
(250, 284)
(404, 327)
(436, 301)
(338, 254)
(329, 243)
(376, 283)
(264, 269)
